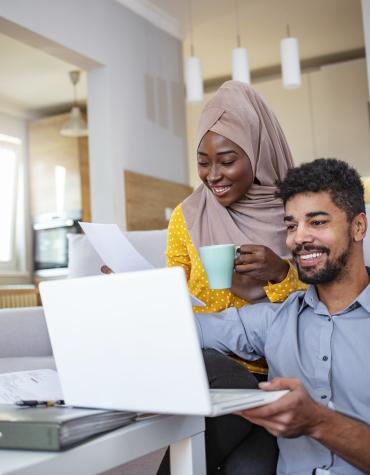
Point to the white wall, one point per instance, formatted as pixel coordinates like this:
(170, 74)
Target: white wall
(18, 128)
(326, 117)
(136, 112)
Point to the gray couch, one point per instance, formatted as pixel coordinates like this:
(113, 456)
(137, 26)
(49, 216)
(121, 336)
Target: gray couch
(24, 340)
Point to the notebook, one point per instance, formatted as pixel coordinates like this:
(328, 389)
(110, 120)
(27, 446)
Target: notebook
(129, 342)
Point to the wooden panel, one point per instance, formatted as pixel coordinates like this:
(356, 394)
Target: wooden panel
(49, 148)
(85, 178)
(148, 197)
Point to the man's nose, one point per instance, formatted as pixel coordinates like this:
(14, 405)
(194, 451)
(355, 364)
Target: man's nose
(302, 235)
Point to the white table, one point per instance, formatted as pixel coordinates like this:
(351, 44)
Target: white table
(185, 435)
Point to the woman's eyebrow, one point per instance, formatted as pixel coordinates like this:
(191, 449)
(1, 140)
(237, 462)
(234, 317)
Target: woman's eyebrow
(226, 152)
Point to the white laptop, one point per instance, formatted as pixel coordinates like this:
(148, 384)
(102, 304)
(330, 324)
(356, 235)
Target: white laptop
(129, 341)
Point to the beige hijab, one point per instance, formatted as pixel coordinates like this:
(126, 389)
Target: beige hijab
(240, 114)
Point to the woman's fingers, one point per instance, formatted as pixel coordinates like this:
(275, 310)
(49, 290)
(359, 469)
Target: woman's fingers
(106, 270)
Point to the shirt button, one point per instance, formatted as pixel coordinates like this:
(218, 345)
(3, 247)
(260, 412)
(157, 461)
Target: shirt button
(325, 358)
(324, 396)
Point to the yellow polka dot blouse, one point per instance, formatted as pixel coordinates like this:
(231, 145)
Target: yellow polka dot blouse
(181, 252)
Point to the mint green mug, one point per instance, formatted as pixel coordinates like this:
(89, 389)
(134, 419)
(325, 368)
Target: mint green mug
(218, 262)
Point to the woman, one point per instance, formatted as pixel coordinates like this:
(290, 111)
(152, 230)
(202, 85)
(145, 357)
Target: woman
(241, 152)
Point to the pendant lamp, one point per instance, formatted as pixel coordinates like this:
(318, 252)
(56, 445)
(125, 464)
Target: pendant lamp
(291, 70)
(239, 58)
(75, 125)
(193, 71)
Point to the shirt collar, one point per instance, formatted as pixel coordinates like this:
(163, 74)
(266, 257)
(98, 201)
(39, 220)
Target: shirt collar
(312, 300)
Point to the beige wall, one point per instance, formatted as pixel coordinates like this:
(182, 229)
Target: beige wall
(326, 117)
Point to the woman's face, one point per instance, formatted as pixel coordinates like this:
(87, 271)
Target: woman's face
(224, 168)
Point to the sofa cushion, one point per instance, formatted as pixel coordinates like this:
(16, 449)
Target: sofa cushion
(8, 365)
(23, 333)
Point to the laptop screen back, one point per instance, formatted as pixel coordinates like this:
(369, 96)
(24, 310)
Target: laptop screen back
(127, 341)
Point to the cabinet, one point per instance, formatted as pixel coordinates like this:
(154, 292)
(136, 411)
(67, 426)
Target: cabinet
(48, 149)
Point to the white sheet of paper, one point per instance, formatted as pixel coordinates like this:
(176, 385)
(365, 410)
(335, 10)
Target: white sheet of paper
(41, 384)
(117, 252)
(114, 248)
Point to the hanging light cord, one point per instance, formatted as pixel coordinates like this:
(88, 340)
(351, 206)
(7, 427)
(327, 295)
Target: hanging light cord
(75, 77)
(190, 13)
(237, 24)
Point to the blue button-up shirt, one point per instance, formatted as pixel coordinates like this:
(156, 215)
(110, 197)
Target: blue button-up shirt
(330, 354)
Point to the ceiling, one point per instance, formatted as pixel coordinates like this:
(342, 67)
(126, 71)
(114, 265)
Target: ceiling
(33, 82)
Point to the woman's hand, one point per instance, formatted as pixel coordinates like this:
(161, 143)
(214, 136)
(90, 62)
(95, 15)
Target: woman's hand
(254, 268)
(106, 270)
(261, 263)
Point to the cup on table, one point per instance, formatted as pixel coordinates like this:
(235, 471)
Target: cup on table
(218, 262)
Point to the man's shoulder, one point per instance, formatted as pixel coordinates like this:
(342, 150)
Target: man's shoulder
(271, 310)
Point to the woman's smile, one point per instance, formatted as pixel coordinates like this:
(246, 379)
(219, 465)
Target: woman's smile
(220, 190)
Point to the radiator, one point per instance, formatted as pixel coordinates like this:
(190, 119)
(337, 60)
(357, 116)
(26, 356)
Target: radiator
(10, 298)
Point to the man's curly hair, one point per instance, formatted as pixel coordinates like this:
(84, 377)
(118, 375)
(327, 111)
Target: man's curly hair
(336, 177)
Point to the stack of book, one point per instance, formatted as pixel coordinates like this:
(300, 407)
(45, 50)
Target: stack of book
(55, 428)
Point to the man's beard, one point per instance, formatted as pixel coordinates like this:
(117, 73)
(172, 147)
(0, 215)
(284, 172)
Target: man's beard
(329, 272)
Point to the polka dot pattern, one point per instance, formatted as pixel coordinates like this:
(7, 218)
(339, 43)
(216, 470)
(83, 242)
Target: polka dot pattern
(181, 252)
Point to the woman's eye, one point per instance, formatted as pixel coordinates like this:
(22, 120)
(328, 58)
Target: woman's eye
(202, 164)
(228, 163)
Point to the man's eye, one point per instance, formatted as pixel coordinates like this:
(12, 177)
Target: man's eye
(291, 227)
(318, 222)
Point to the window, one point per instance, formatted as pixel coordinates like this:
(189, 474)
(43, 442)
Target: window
(10, 192)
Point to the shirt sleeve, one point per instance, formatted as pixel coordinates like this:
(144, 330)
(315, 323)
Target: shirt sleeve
(241, 332)
(280, 291)
(176, 250)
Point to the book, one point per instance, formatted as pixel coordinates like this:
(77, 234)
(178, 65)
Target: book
(55, 428)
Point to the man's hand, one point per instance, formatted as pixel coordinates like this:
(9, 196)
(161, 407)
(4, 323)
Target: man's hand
(293, 415)
(261, 263)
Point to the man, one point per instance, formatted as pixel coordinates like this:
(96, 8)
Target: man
(317, 343)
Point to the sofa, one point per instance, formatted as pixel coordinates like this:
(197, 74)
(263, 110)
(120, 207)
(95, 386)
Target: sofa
(24, 339)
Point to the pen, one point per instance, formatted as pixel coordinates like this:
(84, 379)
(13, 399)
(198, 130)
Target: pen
(35, 403)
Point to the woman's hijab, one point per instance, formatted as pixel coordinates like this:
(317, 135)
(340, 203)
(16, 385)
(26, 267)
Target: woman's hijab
(240, 114)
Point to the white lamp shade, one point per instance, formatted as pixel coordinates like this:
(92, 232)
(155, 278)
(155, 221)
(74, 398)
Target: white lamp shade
(194, 80)
(291, 69)
(75, 125)
(240, 65)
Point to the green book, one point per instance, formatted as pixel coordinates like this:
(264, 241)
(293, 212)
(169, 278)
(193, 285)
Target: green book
(55, 428)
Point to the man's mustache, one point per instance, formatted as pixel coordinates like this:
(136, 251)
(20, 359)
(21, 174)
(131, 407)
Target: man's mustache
(309, 248)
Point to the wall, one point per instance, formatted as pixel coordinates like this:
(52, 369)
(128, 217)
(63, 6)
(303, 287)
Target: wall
(326, 117)
(136, 113)
(18, 128)
(365, 4)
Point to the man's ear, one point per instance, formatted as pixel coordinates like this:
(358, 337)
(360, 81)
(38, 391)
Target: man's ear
(359, 227)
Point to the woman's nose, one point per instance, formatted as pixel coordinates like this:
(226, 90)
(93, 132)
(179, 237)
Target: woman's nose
(214, 174)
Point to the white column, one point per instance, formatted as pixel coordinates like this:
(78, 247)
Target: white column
(366, 22)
